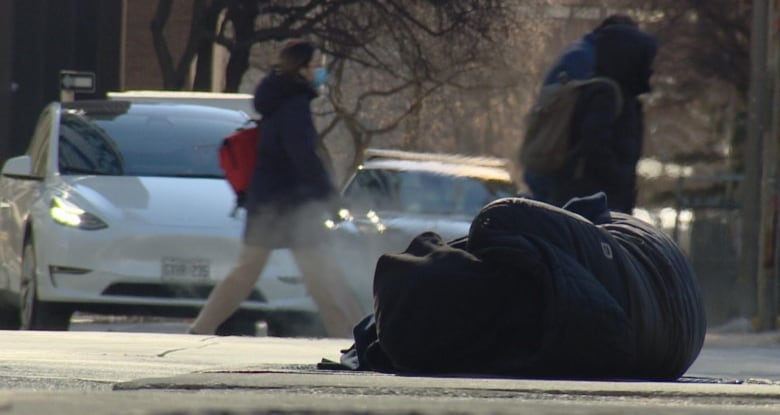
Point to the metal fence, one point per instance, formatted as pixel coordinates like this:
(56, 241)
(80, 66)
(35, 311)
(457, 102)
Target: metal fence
(708, 228)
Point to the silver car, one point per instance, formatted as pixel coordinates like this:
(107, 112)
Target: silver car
(396, 195)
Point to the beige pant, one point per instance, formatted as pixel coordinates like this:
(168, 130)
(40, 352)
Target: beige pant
(339, 309)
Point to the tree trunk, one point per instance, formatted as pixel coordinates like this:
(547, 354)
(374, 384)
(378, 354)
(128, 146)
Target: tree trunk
(243, 14)
(203, 67)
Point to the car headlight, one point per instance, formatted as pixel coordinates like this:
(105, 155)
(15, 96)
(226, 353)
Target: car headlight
(341, 216)
(68, 214)
(371, 223)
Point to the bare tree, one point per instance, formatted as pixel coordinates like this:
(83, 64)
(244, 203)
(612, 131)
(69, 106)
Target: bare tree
(230, 23)
(393, 61)
(702, 91)
(173, 74)
(705, 40)
(427, 86)
(404, 70)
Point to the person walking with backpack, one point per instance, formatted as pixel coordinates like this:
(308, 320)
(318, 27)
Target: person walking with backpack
(577, 62)
(608, 148)
(289, 199)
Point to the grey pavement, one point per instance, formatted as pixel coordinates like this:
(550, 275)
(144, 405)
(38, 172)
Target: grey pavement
(719, 382)
(737, 373)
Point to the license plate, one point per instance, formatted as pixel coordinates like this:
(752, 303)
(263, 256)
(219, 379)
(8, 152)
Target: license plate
(185, 268)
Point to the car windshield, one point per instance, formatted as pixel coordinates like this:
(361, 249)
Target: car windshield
(147, 142)
(422, 192)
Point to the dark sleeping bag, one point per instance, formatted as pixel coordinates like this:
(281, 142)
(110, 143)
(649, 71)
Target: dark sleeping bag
(536, 291)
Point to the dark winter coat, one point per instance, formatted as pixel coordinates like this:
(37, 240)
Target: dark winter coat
(536, 291)
(609, 147)
(289, 176)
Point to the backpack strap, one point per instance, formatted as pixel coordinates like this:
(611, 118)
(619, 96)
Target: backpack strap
(609, 81)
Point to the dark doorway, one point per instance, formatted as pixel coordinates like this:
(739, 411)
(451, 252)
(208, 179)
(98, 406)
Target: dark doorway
(53, 35)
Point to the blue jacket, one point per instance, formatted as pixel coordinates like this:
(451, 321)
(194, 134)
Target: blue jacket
(288, 171)
(577, 61)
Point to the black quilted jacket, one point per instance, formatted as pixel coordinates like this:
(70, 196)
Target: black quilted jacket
(536, 291)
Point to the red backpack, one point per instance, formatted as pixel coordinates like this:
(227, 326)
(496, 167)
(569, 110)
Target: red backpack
(237, 157)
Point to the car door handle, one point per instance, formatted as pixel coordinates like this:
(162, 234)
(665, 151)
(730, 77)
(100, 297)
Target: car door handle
(4, 205)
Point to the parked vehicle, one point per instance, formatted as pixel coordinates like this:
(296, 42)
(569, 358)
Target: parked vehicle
(423, 191)
(121, 208)
(226, 100)
(396, 195)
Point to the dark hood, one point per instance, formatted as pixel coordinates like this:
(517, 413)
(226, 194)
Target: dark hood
(274, 89)
(625, 54)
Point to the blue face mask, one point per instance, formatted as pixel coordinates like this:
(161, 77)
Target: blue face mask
(320, 77)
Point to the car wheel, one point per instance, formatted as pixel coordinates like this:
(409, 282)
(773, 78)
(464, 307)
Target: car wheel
(35, 314)
(9, 317)
(295, 325)
(237, 326)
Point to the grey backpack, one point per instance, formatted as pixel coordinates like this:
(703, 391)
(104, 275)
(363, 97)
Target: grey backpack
(546, 145)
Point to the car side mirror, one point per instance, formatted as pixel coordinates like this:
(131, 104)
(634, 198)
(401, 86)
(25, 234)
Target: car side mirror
(20, 166)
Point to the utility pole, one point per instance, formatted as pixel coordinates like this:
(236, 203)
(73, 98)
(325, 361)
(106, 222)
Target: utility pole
(765, 32)
(750, 190)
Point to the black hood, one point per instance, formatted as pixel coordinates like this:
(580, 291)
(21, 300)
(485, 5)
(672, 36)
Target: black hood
(625, 54)
(274, 89)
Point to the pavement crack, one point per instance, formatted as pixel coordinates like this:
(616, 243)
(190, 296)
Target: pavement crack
(205, 343)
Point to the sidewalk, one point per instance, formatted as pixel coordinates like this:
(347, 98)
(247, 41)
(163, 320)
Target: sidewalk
(740, 333)
(735, 353)
(737, 373)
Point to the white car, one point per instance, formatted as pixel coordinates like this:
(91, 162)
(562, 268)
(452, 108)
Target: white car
(122, 208)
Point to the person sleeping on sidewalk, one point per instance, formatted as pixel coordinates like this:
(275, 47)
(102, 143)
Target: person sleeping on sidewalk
(535, 291)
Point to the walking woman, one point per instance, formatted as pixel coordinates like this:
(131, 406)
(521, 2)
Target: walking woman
(289, 199)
